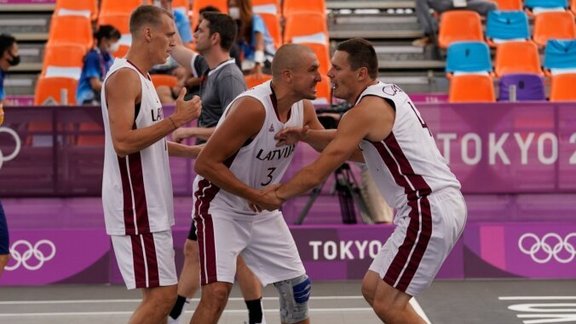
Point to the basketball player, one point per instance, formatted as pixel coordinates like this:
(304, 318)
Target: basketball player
(242, 155)
(410, 172)
(222, 81)
(8, 58)
(136, 185)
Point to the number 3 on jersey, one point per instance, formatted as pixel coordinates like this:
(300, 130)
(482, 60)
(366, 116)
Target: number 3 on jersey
(269, 177)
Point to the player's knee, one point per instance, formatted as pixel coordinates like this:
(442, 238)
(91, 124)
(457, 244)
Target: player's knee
(294, 295)
(368, 292)
(162, 298)
(216, 293)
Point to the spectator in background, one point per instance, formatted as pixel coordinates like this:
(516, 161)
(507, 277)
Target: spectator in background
(8, 58)
(256, 45)
(429, 23)
(97, 62)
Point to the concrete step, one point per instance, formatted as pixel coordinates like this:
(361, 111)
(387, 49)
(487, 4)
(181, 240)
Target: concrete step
(367, 4)
(20, 84)
(24, 23)
(32, 7)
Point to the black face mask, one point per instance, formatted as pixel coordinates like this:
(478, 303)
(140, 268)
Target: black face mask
(15, 60)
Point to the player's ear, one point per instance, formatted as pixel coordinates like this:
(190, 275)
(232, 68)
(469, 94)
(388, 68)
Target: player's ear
(362, 73)
(148, 34)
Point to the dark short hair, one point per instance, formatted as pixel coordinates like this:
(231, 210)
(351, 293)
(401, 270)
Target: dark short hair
(147, 14)
(208, 8)
(224, 25)
(360, 54)
(107, 31)
(6, 41)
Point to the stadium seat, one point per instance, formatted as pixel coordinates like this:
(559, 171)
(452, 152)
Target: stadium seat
(122, 22)
(86, 8)
(124, 6)
(459, 25)
(64, 60)
(49, 91)
(468, 58)
(303, 6)
(273, 24)
(306, 28)
(164, 80)
(222, 5)
(253, 80)
(573, 6)
(266, 6)
(65, 30)
(553, 25)
(517, 57)
(560, 56)
(537, 6)
(527, 87)
(562, 88)
(471, 88)
(502, 26)
(322, 53)
(509, 4)
(323, 91)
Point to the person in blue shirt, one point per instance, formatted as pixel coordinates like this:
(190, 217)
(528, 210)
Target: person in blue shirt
(256, 45)
(97, 62)
(8, 58)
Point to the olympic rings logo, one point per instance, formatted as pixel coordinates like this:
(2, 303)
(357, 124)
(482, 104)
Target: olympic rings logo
(32, 257)
(550, 246)
(16, 149)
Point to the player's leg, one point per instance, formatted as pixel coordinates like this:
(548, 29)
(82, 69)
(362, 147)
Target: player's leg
(221, 238)
(4, 241)
(146, 261)
(251, 291)
(391, 305)
(189, 280)
(212, 303)
(273, 256)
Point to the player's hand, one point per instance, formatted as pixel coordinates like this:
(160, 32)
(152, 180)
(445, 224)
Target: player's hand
(182, 133)
(291, 135)
(186, 110)
(267, 200)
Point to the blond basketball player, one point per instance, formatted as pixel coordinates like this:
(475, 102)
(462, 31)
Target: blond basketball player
(136, 185)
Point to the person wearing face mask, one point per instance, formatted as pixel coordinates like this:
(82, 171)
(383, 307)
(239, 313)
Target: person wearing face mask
(256, 44)
(97, 62)
(8, 57)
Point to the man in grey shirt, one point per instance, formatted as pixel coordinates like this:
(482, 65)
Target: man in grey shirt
(221, 82)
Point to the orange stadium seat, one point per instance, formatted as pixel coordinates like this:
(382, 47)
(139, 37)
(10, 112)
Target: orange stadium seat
(122, 22)
(267, 6)
(553, 25)
(517, 57)
(123, 6)
(471, 88)
(88, 8)
(509, 4)
(164, 80)
(222, 5)
(272, 22)
(70, 30)
(49, 90)
(64, 60)
(562, 88)
(299, 6)
(306, 28)
(323, 54)
(184, 4)
(323, 90)
(253, 80)
(573, 6)
(459, 25)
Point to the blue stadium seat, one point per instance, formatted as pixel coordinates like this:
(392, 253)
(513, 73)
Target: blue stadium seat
(528, 87)
(507, 26)
(468, 58)
(560, 56)
(538, 5)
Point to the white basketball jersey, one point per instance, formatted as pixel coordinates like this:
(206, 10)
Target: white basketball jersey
(137, 189)
(407, 164)
(259, 163)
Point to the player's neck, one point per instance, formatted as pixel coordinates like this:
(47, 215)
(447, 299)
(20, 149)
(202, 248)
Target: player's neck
(216, 57)
(140, 61)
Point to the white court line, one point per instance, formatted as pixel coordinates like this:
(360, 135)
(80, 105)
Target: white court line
(413, 302)
(537, 298)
